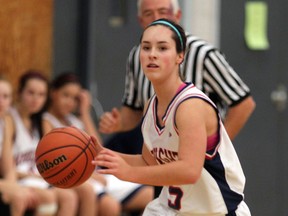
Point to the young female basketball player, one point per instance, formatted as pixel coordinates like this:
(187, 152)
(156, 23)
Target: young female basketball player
(186, 148)
(17, 198)
(66, 97)
(23, 129)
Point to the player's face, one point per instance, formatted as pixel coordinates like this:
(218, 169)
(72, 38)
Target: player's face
(152, 10)
(66, 99)
(34, 95)
(158, 55)
(5, 96)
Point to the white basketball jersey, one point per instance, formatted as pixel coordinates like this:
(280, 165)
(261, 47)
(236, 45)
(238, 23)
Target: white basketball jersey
(72, 119)
(24, 145)
(220, 187)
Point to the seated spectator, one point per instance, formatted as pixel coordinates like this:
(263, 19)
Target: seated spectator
(15, 200)
(21, 133)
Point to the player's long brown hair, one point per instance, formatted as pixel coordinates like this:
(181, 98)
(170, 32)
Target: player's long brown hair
(36, 118)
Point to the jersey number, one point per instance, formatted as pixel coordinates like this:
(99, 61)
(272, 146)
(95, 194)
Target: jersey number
(178, 193)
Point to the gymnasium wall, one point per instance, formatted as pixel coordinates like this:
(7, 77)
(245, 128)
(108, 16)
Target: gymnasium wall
(25, 37)
(262, 144)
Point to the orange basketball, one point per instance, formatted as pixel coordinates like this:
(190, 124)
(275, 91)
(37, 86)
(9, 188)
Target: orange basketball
(63, 157)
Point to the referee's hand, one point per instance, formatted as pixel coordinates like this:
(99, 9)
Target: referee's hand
(110, 122)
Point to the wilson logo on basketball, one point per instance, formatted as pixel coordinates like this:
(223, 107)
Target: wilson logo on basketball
(46, 165)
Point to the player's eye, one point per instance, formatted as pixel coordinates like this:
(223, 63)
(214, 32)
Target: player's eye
(146, 47)
(162, 48)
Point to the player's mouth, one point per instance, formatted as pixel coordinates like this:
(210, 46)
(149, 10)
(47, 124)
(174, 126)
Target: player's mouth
(152, 66)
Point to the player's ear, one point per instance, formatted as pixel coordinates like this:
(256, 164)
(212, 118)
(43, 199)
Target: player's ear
(180, 58)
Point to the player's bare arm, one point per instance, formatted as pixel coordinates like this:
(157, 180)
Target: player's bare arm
(7, 162)
(191, 154)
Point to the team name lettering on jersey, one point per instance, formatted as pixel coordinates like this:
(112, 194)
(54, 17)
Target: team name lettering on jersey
(25, 157)
(164, 155)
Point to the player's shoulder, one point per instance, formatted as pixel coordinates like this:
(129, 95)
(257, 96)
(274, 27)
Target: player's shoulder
(8, 119)
(9, 123)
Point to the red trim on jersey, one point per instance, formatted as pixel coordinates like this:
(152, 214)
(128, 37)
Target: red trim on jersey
(211, 156)
(174, 101)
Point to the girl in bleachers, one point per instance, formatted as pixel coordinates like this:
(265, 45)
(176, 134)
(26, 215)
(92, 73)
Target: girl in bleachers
(23, 129)
(15, 200)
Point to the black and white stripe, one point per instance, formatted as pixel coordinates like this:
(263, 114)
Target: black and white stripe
(204, 65)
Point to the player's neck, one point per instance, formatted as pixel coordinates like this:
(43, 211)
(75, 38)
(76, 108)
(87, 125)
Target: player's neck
(57, 115)
(167, 91)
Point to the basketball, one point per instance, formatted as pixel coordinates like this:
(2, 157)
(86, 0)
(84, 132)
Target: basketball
(63, 157)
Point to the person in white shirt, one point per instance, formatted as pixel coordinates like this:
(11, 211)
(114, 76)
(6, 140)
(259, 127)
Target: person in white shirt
(186, 148)
(16, 199)
(23, 130)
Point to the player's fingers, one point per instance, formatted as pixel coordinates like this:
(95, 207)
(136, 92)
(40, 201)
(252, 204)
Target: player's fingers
(106, 164)
(105, 171)
(106, 155)
(115, 113)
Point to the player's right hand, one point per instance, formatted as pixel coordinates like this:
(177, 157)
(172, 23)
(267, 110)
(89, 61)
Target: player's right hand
(110, 122)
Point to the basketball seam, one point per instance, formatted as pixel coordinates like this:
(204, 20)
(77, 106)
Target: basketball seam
(63, 132)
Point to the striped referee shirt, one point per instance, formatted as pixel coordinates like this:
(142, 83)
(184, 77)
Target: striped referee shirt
(204, 65)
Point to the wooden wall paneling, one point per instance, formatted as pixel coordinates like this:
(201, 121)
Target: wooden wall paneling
(25, 37)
